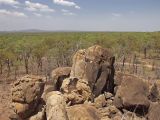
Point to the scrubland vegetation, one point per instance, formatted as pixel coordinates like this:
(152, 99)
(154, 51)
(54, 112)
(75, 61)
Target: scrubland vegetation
(137, 56)
(39, 53)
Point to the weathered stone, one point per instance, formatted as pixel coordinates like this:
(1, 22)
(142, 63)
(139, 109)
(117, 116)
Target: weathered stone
(58, 75)
(95, 65)
(75, 91)
(14, 117)
(132, 95)
(78, 67)
(100, 101)
(108, 95)
(56, 106)
(109, 112)
(39, 116)
(49, 87)
(26, 94)
(83, 112)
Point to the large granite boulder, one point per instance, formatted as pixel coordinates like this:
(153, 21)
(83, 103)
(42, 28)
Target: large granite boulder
(95, 65)
(75, 91)
(26, 95)
(132, 94)
(56, 106)
(83, 112)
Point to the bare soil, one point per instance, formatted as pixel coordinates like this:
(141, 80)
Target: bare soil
(5, 100)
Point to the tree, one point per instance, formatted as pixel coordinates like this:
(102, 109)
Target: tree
(39, 52)
(24, 49)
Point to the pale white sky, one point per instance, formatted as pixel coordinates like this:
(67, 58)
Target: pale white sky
(83, 15)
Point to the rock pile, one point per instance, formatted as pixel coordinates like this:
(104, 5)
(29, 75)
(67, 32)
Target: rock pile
(89, 90)
(26, 95)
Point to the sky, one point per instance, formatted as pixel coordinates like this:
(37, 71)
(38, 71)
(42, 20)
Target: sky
(80, 15)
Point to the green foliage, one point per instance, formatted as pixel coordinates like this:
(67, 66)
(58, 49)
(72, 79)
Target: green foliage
(61, 46)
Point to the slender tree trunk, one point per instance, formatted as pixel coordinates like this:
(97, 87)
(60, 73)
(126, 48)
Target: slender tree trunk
(1, 68)
(26, 65)
(39, 65)
(124, 59)
(123, 63)
(134, 62)
(145, 52)
(15, 72)
(8, 67)
(153, 66)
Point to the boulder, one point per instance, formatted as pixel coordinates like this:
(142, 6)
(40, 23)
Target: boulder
(49, 87)
(26, 95)
(82, 112)
(132, 94)
(154, 111)
(75, 91)
(78, 67)
(100, 101)
(95, 65)
(109, 112)
(56, 106)
(108, 95)
(58, 75)
(39, 116)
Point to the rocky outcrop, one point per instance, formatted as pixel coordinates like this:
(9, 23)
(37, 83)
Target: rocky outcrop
(83, 112)
(95, 65)
(56, 106)
(26, 95)
(132, 94)
(58, 75)
(75, 91)
(87, 91)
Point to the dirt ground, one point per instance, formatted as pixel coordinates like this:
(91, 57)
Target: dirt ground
(5, 100)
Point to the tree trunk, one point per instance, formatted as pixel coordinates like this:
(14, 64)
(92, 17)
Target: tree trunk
(1, 68)
(124, 59)
(145, 52)
(8, 67)
(123, 63)
(26, 65)
(15, 72)
(39, 65)
(134, 62)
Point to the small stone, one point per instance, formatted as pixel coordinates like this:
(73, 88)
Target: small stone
(108, 95)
